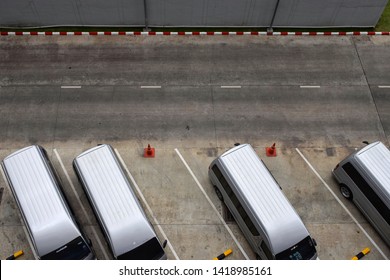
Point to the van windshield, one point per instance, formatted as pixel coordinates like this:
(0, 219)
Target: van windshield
(150, 250)
(303, 250)
(77, 249)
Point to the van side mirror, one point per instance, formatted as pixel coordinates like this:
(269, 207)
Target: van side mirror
(165, 243)
(365, 142)
(314, 242)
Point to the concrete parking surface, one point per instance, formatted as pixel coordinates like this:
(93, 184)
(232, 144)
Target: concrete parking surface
(192, 98)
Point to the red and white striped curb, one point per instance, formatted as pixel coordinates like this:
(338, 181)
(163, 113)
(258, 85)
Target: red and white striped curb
(152, 33)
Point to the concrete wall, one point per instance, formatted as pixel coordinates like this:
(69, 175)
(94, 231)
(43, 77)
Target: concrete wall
(71, 12)
(259, 13)
(329, 12)
(211, 12)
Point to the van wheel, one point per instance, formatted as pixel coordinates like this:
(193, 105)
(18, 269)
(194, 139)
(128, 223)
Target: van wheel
(346, 192)
(219, 194)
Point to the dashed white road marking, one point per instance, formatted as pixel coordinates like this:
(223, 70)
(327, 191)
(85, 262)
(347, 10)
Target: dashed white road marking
(150, 86)
(230, 86)
(310, 86)
(70, 87)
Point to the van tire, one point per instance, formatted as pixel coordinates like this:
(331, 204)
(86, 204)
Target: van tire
(346, 192)
(219, 194)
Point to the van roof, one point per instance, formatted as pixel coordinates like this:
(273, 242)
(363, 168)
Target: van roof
(115, 201)
(375, 158)
(263, 197)
(48, 218)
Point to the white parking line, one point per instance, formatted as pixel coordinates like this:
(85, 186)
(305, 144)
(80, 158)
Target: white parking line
(81, 204)
(70, 86)
(310, 86)
(383, 86)
(211, 203)
(230, 86)
(20, 218)
(150, 86)
(342, 205)
(146, 204)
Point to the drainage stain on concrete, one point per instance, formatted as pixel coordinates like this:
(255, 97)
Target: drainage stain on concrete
(1, 194)
(330, 152)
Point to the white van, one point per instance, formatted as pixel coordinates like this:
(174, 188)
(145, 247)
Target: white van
(265, 216)
(364, 178)
(121, 217)
(52, 229)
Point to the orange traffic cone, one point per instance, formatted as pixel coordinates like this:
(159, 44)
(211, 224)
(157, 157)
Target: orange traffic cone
(270, 151)
(149, 152)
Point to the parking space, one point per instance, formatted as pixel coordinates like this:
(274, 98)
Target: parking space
(62, 162)
(191, 225)
(345, 230)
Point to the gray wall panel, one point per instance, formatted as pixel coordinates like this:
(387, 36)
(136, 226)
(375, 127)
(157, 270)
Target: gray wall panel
(364, 15)
(210, 12)
(329, 12)
(290, 13)
(71, 12)
(22, 12)
(112, 12)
